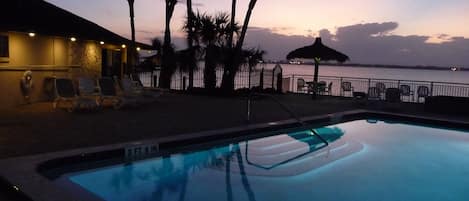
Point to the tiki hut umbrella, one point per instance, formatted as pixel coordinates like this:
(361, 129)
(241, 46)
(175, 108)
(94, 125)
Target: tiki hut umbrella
(318, 52)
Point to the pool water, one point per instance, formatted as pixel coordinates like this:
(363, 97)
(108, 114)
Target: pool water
(366, 160)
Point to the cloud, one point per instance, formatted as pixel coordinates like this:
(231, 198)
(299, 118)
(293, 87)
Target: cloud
(366, 30)
(145, 32)
(371, 43)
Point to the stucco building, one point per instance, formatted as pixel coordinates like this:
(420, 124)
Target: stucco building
(49, 41)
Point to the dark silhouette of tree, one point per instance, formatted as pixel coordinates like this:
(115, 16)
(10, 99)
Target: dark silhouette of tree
(232, 24)
(132, 49)
(157, 45)
(212, 32)
(190, 42)
(253, 57)
(233, 63)
(168, 62)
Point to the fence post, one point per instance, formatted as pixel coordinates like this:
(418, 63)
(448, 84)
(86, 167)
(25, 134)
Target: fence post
(184, 83)
(431, 88)
(155, 79)
(369, 85)
(340, 87)
(293, 82)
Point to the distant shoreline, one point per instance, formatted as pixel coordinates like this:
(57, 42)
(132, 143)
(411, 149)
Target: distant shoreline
(378, 66)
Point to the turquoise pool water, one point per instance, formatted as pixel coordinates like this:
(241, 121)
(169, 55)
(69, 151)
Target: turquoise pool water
(366, 160)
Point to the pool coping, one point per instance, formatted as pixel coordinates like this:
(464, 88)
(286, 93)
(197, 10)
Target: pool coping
(21, 174)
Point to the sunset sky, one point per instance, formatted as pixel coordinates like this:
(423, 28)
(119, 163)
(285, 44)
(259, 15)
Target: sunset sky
(437, 20)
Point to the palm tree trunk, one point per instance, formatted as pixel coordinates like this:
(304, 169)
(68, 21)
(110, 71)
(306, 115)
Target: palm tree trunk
(232, 23)
(315, 80)
(231, 69)
(190, 41)
(240, 42)
(132, 48)
(168, 64)
(210, 76)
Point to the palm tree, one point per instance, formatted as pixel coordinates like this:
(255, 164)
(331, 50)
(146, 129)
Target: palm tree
(210, 32)
(232, 23)
(253, 57)
(168, 57)
(232, 67)
(190, 42)
(131, 50)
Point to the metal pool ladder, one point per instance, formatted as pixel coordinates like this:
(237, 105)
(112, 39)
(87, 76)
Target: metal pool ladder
(285, 108)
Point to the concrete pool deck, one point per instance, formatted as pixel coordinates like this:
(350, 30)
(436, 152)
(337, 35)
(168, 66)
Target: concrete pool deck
(37, 128)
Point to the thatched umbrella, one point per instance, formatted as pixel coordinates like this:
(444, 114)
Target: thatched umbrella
(318, 52)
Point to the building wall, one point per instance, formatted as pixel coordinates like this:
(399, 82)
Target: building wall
(45, 56)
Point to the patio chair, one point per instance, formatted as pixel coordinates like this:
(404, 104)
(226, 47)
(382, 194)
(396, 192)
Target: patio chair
(405, 91)
(301, 85)
(346, 87)
(381, 88)
(110, 97)
(328, 89)
(321, 87)
(373, 93)
(67, 98)
(422, 92)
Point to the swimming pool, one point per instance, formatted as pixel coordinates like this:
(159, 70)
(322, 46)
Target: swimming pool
(366, 160)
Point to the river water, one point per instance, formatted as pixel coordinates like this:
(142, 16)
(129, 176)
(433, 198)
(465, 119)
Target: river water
(376, 73)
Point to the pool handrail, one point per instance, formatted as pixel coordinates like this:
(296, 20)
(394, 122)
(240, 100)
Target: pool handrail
(285, 108)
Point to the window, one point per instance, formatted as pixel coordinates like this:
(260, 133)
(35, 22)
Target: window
(4, 46)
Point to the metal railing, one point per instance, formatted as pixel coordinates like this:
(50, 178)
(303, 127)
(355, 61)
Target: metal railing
(243, 79)
(285, 108)
(416, 89)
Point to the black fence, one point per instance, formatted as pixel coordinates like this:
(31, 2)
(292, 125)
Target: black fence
(411, 90)
(244, 79)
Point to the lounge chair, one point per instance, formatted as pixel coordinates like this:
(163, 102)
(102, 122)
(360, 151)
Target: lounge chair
(67, 98)
(129, 88)
(110, 97)
(88, 87)
(147, 92)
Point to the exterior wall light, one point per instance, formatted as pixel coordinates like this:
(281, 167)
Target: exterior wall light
(101, 42)
(31, 34)
(123, 46)
(138, 48)
(73, 39)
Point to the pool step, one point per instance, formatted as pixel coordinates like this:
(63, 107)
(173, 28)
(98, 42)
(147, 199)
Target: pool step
(293, 164)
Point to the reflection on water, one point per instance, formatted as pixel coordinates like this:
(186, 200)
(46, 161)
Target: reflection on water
(168, 177)
(374, 160)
